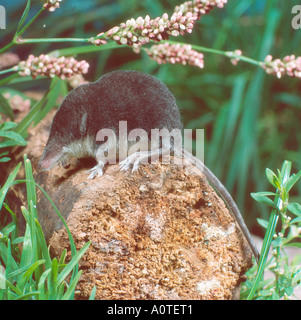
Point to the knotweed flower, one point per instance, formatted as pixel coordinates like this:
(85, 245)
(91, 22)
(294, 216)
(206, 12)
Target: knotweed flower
(17, 102)
(234, 56)
(142, 30)
(175, 53)
(77, 80)
(44, 65)
(51, 5)
(290, 66)
(200, 7)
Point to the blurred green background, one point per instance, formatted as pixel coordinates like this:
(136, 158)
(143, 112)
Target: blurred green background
(252, 120)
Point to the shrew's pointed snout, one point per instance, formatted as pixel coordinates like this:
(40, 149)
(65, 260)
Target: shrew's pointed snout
(52, 154)
(44, 164)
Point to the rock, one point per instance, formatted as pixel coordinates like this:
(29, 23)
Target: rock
(159, 233)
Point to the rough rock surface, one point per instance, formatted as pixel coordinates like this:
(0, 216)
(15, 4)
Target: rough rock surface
(159, 233)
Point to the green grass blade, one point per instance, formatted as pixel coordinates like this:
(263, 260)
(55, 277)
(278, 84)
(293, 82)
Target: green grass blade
(72, 263)
(27, 251)
(29, 273)
(28, 295)
(70, 291)
(8, 183)
(93, 293)
(30, 184)
(53, 282)
(9, 284)
(6, 108)
(15, 222)
(72, 244)
(43, 245)
(42, 285)
(13, 136)
(31, 116)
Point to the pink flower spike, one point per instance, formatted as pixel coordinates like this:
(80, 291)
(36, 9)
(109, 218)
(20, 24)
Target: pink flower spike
(142, 30)
(289, 65)
(49, 66)
(175, 53)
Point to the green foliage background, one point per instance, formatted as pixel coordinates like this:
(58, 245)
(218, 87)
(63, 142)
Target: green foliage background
(251, 119)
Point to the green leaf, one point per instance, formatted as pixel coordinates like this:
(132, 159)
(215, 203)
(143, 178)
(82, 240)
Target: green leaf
(264, 200)
(13, 136)
(296, 220)
(4, 159)
(294, 208)
(263, 223)
(28, 274)
(272, 178)
(293, 244)
(296, 281)
(10, 285)
(291, 181)
(266, 193)
(9, 143)
(5, 107)
(8, 125)
(277, 242)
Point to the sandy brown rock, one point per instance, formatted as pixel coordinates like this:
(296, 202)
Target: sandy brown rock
(159, 233)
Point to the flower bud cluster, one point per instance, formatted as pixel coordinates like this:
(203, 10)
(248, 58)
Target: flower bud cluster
(200, 7)
(51, 5)
(234, 56)
(17, 102)
(44, 65)
(290, 66)
(142, 30)
(176, 53)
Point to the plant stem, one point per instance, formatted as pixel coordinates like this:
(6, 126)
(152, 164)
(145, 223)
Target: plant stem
(8, 46)
(13, 42)
(13, 69)
(30, 22)
(214, 51)
(264, 251)
(285, 173)
(51, 40)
